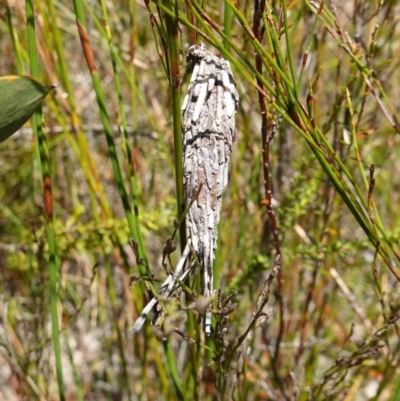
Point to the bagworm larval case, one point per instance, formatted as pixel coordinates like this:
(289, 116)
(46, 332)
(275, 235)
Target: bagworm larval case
(209, 110)
(208, 117)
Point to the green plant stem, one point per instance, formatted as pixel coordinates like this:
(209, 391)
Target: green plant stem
(173, 370)
(175, 81)
(48, 201)
(16, 44)
(128, 153)
(227, 25)
(120, 341)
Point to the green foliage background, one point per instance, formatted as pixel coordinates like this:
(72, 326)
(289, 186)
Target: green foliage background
(324, 326)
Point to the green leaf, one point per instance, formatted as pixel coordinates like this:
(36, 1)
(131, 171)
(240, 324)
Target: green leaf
(19, 98)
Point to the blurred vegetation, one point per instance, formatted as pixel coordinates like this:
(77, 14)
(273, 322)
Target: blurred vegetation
(307, 264)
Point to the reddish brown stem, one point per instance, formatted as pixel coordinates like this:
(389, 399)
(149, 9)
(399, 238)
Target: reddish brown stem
(268, 130)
